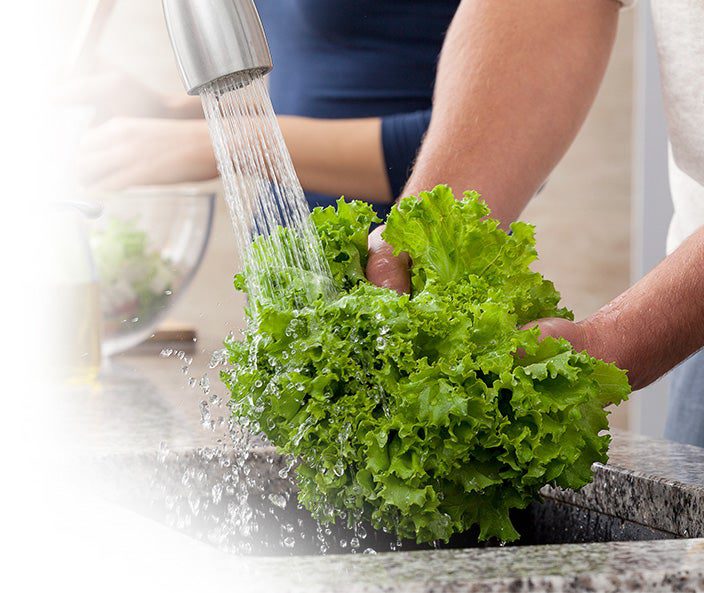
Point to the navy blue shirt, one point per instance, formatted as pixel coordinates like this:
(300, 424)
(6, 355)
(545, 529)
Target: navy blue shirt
(359, 58)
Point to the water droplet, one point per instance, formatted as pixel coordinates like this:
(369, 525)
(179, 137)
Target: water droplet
(369, 551)
(289, 542)
(205, 417)
(163, 452)
(278, 499)
(194, 503)
(284, 472)
(217, 358)
(205, 384)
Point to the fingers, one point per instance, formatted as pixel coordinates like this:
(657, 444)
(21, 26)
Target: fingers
(384, 269)
(561, 328)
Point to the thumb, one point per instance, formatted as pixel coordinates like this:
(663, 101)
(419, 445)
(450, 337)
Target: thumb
(384, 268)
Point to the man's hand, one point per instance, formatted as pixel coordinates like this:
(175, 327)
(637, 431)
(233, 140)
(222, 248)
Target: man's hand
(651, 327)
(647, 330)
(383, 268)
(127, 152)
(576, 333)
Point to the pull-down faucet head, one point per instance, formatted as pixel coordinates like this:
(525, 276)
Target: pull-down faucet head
(216, 38)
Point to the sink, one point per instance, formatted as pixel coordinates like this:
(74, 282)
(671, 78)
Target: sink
(247, 504)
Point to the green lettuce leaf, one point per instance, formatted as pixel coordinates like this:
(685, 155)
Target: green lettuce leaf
(417, 412)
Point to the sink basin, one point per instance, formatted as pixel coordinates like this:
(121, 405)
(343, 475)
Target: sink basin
(247, 505)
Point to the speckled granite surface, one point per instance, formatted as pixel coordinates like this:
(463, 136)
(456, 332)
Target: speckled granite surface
(673, 565)
(650, 482)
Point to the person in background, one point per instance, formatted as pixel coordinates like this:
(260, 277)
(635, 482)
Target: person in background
(536, 67)
(352, 86)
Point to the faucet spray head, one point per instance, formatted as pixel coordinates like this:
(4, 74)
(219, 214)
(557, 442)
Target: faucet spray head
(216, 38)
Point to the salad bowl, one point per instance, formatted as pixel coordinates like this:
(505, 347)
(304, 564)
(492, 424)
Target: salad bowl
(147, 247)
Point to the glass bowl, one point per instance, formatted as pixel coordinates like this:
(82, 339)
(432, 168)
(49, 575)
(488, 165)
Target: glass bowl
(147, 246)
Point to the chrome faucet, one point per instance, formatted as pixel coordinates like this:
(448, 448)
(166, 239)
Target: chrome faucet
(216, 38)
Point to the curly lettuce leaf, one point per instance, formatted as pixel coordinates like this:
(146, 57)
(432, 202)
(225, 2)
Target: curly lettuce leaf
(417, 412)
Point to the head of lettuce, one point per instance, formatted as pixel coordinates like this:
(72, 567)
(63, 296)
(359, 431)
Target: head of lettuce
(429, 413)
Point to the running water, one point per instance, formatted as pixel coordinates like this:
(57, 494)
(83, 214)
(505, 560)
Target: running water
(239, 495)
(262, 190)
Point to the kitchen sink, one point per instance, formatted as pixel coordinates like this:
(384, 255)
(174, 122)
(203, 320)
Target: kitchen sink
(247, 504)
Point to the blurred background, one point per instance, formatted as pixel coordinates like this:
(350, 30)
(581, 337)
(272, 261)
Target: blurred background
(594, 237)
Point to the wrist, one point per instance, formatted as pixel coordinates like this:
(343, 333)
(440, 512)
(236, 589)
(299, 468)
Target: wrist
(171, 105)
(204, 149)
(598, 334)
(176, 106)
(604, 339)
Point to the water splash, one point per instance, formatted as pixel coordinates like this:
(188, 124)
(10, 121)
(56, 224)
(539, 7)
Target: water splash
(229, 495)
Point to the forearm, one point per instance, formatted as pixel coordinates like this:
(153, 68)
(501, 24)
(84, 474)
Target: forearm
(515, 82)
(338, 156)
(332, 157)
(658, 322)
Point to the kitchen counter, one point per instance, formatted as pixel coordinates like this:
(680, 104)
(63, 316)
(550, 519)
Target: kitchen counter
(638, 566)
(148, 406)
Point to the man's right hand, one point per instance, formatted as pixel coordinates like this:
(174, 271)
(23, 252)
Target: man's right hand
(384, 268)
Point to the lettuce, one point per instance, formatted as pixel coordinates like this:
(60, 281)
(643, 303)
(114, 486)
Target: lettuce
(417, 412)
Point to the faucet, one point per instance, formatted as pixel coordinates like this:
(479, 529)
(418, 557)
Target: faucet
(213, 39)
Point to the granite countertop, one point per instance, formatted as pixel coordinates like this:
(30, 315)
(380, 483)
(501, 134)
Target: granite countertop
(144, 402)
(673, 565)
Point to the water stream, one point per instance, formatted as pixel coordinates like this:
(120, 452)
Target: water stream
(214, 488)
(261, 187)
